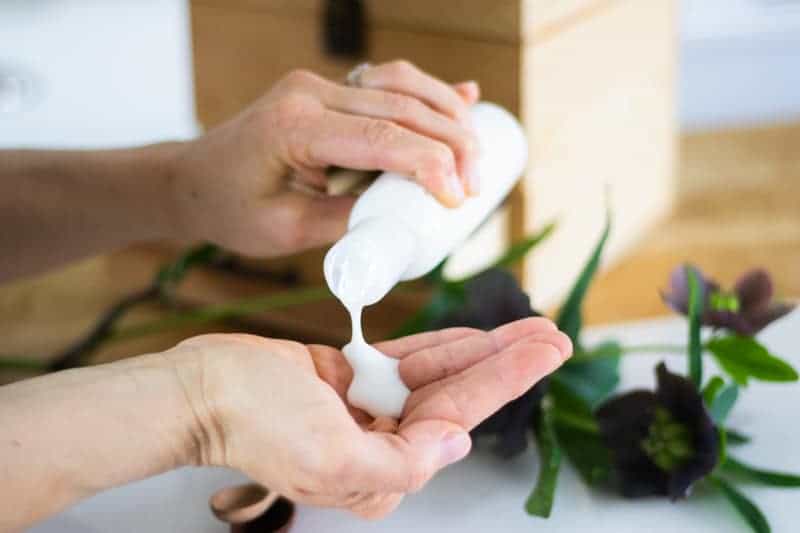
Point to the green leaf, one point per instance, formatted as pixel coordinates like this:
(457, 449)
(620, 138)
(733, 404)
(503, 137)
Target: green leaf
(723, 403)
(436, 276)
(569, 319)
(735, 438)
(711, 389)
(744, 357)
(586, 452)
(749, 511)
(723, 446)
(592, 380)
(540, 501)
(610, 349)
(443, 300)
(695, 315)
(201, 254)
(520, 249)
(772, 478)
(580, 442)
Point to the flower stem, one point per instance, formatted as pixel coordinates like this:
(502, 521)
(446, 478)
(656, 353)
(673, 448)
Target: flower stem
(21, 363)
(217, 312)
(582, 423)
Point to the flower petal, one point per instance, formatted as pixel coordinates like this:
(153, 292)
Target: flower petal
(624, 421)
(491, 299)
(678, 295)
(754, 289)
(511, 424)
(761, 319)
(685, 403)
(732, 321)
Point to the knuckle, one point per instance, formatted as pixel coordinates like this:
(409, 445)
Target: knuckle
(402, 107)
(299, 79)
(381, 132)
(402, 69)
(468, 144)
(291, 112)
(439, 159)
(402, 66)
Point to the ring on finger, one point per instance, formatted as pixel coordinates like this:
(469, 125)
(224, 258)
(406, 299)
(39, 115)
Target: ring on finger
(353, 78)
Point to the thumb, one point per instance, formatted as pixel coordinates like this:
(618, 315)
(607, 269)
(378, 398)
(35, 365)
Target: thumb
(305, 220)
(437, 444)
(406, 461)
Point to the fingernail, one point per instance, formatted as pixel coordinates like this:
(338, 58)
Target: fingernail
(474, 88)
(470, 90)
(454, 190)
(454, 447)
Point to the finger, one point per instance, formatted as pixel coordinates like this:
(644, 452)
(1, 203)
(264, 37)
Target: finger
(312, 177)
(437, 361)
(473, 395)
(405, 78)
(414, 115)
(332, 367)
(295, 221)
(383, 424)
(469, 91)
(391, 463)
(404, 346)
(364, 143)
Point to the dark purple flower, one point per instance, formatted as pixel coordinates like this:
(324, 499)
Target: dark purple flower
(660, 442)
(745, 310)
(492, 299)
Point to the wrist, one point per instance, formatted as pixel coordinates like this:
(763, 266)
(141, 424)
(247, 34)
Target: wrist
(85, 430)
(150, 204)
(203, 442)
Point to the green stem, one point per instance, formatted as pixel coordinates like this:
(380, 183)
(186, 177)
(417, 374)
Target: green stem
(215, 313)
(19, 363)
(565, 418)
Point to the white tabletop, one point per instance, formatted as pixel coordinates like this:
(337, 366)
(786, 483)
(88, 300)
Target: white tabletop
(483, 493)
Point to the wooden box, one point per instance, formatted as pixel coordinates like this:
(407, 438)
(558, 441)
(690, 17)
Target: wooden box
(593, 81)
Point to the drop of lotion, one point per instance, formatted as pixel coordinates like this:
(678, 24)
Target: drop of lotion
(377, 387)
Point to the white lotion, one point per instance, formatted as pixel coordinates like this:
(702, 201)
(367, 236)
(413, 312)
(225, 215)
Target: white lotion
(397, 231)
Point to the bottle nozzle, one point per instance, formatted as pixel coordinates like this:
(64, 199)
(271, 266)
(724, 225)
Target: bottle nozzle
(368, 261)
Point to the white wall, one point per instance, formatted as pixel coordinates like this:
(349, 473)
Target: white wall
(115, 72)
(740, 62)
(94, 72)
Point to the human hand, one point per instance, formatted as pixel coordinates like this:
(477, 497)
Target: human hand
(277, 410)
(233, 185)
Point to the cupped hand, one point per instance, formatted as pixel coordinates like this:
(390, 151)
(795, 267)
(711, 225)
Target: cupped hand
(277, 410)
(235, 185)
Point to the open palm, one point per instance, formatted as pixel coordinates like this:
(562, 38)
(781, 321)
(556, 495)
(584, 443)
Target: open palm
(458, 377)
(277, 409)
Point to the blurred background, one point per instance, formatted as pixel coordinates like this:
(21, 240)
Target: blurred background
(686, 112)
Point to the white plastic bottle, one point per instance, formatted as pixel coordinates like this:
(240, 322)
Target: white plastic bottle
(398, 231)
